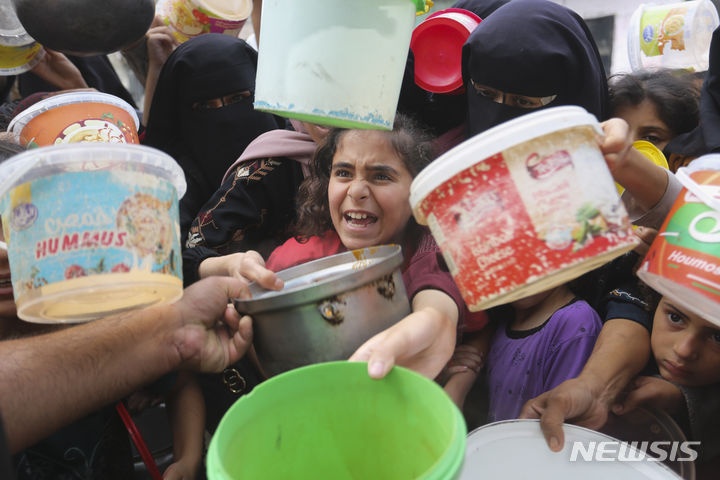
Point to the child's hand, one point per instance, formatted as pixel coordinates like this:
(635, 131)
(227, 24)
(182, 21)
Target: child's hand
(654, 392)
(180, 471)
(616, 143)
(248, 266)
(467, 358)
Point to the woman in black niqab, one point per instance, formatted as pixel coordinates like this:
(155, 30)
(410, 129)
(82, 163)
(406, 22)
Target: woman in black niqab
(532, 48)
(202, 113)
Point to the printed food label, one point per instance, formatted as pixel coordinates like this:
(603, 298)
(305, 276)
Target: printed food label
(527, 213)
(78, 224)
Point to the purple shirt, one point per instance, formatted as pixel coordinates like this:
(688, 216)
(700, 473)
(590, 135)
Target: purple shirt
(522, 364)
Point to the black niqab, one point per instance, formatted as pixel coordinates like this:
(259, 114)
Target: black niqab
(205, 142)
(534, 48)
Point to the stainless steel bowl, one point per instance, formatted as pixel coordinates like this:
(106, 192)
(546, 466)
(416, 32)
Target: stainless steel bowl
(328, 308)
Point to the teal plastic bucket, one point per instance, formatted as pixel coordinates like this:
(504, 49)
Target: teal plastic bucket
(330, 420)
(334, 63)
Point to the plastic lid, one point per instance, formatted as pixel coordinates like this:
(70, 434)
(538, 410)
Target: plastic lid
(437, 46)
(494, 141)
(492, 452)
(23, 118)
(12, 32)
(228, 9)
(45, 161)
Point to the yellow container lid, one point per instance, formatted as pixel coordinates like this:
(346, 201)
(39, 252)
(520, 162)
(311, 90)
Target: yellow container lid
(651, 152)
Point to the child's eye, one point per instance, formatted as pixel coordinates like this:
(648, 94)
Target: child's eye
(652, 139)
(715, 337)
(674, 318)
(382, 177)
(341, 173)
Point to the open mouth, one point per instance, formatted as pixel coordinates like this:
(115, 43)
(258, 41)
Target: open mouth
(358, 219)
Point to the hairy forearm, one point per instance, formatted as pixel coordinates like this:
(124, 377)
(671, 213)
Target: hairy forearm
(621, 351)
(50, 380)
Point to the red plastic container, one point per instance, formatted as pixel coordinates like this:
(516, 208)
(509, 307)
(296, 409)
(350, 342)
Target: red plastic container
(437, 46)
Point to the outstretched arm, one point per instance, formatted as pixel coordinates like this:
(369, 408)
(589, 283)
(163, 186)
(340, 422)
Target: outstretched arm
(621, 351)
(47, 381)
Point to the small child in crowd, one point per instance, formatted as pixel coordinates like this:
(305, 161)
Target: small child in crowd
(539, 342)
(357, 195)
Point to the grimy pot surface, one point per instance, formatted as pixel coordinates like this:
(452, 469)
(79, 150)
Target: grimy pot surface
(328, 308)
(85, 27)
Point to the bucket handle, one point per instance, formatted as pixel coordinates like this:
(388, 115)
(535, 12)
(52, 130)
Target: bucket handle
(693, 187)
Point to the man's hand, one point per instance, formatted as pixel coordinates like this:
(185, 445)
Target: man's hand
(578, 401)
(212, 334)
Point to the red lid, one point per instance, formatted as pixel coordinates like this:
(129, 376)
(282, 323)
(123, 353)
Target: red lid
(437, 44)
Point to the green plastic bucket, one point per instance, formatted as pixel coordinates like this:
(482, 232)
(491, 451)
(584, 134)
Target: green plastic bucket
(330, 420)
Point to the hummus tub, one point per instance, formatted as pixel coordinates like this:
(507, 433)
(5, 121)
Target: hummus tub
(190, 18)
(683, 262)
(332, 421)
(328, 308)
(76, 117)
(492, 452)
(523, 207)
(675, 35)
(91, 230)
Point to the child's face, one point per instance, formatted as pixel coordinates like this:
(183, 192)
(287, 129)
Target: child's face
(686, 347)
(645, 124)
(369, 190)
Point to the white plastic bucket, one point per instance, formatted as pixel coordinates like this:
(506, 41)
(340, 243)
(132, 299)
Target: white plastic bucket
(190, 18)
(76, 117)
(19, 53)
(517, 449)
(523, 207)
(334, 63)
(675, 35)
(91, 229)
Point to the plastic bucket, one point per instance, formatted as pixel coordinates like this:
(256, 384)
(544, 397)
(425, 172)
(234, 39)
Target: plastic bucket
(334, 63)
(190, 18)
(19, 53)
(91, 230)
(493, 449)
(650, 151)
(683, 262)
(523, 207)
(675, 35)
(76, 117)
(437, 46)
(331, 420)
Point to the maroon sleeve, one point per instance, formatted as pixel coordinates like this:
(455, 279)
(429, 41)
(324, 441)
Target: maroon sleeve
(427, 270)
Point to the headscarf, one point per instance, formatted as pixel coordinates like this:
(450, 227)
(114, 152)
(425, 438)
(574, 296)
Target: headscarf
(205, 142)
(535, 48)
(296, 145)
(481, 8)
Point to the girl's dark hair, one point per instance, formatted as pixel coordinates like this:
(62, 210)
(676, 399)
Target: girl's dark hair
(408, 138)
(674, 94)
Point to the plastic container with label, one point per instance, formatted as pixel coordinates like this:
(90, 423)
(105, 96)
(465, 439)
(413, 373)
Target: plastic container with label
(675, 35)
(91, 229)
(523, 207)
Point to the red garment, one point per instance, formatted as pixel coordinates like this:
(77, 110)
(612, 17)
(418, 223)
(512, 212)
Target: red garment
(423, 268)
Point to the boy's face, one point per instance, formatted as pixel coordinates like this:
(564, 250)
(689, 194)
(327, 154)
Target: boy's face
(686, 347)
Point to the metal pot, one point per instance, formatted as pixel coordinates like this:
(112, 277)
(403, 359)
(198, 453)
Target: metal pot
(85, 27)
(328, 308)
